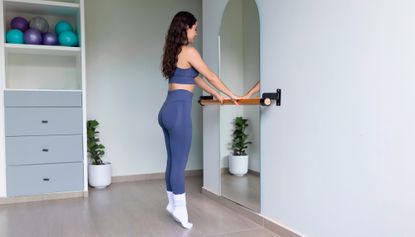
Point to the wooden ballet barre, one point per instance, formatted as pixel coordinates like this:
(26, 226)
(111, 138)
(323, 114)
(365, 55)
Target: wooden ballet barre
(208, 100)
(265, 100)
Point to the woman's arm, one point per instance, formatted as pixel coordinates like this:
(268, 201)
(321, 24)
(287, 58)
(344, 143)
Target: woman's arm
(202, 84)
(252, 91)
(197, 62)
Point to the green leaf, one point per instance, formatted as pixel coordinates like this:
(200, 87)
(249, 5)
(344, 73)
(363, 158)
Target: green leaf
(95, 149)
(239, 143)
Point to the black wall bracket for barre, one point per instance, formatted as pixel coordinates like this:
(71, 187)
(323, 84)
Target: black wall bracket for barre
(273, 96)
(265, 100)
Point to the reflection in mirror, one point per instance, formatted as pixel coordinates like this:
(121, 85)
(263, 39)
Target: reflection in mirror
(239, 69)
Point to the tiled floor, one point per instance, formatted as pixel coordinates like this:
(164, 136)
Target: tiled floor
(125, 209)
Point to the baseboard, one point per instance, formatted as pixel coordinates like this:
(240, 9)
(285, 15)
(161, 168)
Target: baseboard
(279, 229)
(225, 170)
(152, 176)
(253, 172)
(42, 197)
(253, 216)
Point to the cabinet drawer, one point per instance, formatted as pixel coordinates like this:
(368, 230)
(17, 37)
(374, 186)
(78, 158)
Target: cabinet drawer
(40, 179)
(42, 98)
(43, 149)
(43, 121)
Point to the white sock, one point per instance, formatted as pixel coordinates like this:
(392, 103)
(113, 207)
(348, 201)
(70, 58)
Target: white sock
(170, 205)
(180, 210)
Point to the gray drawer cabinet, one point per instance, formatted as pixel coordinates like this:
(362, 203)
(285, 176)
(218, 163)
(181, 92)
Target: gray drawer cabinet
(42, 179)
(44, 148)
(42, 98)
(43, 121)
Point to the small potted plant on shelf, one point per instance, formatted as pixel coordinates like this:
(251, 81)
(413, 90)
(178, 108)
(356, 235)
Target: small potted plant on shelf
(238, 161)
(99, 171)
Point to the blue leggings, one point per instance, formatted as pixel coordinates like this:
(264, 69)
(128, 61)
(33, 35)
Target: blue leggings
(176, 121)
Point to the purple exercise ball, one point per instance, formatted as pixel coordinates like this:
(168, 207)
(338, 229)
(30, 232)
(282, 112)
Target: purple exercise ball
(19, 23)
(33, 36)
(50, 38)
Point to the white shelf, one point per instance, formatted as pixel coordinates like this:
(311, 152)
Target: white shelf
(61, 90)
(42, 50)
(42, 7)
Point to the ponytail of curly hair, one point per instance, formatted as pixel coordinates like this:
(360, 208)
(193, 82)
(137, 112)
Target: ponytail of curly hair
(176, 37)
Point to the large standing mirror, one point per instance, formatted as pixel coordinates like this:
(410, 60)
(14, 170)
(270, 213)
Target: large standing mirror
(239, 69)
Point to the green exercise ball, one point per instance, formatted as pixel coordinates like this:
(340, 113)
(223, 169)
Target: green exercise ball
(15, 36)
(68, 39)
(63, 26)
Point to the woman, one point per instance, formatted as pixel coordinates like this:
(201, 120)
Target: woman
(181, 65)
(255, 88)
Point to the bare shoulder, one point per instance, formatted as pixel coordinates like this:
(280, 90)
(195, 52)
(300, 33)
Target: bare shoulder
(196, 61)
(190, 51)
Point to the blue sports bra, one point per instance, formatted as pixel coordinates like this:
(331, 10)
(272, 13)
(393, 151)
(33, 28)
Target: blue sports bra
(184, 75)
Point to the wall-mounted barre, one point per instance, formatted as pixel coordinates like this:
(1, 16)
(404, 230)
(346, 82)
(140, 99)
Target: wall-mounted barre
(265, 100)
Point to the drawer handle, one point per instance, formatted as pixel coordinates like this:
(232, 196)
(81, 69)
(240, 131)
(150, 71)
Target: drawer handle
(44, 121)
(45, 150)
(45, 179)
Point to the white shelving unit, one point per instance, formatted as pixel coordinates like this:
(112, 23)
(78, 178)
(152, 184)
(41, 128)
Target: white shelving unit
(42, 50)
(42, 7)
(57, 70)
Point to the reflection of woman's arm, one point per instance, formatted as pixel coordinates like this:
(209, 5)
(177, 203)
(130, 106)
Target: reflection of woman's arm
(202, 84)
(252, 91)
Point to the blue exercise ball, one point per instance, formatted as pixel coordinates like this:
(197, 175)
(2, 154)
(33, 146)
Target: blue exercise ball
(39, 23)
(19, 23)
(68, 38)
(33, 36)
(63, 26)
(50, 38)
(15, 36)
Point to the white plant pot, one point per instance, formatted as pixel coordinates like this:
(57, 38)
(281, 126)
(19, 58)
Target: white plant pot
(238, 165)
(99, 176)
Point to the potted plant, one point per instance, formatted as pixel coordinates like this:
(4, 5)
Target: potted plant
(238, 161)
(99, 171)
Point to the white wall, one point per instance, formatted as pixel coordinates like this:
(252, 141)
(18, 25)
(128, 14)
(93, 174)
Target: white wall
(212, 18)
(337, 157)
(125, 88)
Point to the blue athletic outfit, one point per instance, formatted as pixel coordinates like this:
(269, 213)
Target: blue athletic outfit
(175, 119)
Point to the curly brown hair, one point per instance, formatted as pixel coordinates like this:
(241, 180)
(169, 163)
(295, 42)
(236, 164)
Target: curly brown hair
(176, 37)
